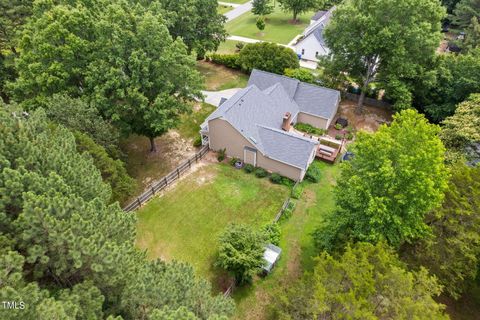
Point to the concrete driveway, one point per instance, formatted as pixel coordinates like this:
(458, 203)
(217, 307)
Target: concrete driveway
(238, 11)
(214, 97)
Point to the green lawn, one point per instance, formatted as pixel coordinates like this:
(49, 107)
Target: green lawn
(227, 47)
(254, 302)
(222, 9)
(185, 222)
(190, 122)
(219, 77)
(235, 1)
(278, 28)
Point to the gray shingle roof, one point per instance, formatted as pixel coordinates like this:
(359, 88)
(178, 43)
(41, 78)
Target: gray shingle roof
(318, 15)
(257, 113)
(312, 99)
(258, 116)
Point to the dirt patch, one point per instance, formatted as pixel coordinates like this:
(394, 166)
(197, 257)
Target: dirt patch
(371, 119)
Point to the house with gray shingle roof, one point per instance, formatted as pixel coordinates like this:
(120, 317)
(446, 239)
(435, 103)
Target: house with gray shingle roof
(311, 44)
(255, 124)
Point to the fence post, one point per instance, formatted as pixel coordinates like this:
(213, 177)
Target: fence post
(178, 173)
(189, 164)
(139, 202)
(153, 190)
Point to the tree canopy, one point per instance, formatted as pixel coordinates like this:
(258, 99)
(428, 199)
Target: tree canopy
(452, 252)
(68, 253)
(384, 41)
(118, 56)
(396, 177)
(267, 56)
(366, 282)
(464, 11)
(297, 7)
(241, 252)
(262, 7)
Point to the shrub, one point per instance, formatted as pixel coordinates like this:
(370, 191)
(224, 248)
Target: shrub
(198, 141)
(313, 173)
(287, 213)
(239, 45)
(338, 126)
(228, 60)
(267, 56)
(300, 74)
(261, 173)
(287, 182)
(233, 161)
(297, 192)
(349, 136)
(276, 178)
(338, 137)
(272, 233)
(221, 154)
(305, 127)
(249, 168)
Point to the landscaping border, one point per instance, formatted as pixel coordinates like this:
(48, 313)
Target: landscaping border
(166, 180)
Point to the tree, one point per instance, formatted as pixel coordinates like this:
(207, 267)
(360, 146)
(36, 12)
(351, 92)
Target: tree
(452, 80)
(299, 6)
(139, 76)
(260, 23)
(197, 22)
(472, 39)
(300, 74)
(267, 56)
(452, 252)
(12, 19)
(384, 41)
(449, 4)
(462, 130)
(378, 192)
(69, 253)
(262, 7)
(118, 56)
(366, 282)
(465, 11)
(241, 252)
(78, 115)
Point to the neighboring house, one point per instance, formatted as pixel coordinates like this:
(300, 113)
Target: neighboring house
(312, 42)
(255, 125)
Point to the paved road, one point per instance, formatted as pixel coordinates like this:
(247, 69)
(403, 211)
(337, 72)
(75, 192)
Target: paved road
(243, 39)
(233, 5)
(214, 97)
(238, 11)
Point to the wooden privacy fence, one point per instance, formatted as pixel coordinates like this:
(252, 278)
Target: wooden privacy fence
(285, 205)
(166, 180)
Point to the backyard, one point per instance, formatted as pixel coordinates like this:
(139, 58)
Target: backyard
(279, 27)
(219, 77)
(173, 147)
(185, 221)
(255, 301)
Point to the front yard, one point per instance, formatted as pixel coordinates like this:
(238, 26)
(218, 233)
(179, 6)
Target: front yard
(279, 27)
(184, 222)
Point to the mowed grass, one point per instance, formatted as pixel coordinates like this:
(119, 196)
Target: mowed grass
(279, 27)
(222, 9)
(256, 301)
(219, 77)
(184, 223)
(189, 126)
(236, 1)
(227, 47)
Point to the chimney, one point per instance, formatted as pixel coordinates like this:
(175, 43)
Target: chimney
(286, 121)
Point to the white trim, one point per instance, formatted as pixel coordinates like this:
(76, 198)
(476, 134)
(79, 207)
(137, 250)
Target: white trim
(254, 156)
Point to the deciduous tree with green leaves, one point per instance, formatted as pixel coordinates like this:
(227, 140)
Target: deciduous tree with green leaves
(262, 7)
(241, 252)
(366, 282)
(384, 41)
(397, 176)
(464, 11)
(297, 7)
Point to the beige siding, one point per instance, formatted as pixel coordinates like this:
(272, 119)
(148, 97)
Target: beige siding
(317, 122)
(223, 135)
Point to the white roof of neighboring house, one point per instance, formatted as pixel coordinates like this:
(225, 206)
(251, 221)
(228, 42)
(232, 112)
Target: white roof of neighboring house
(317, 28)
